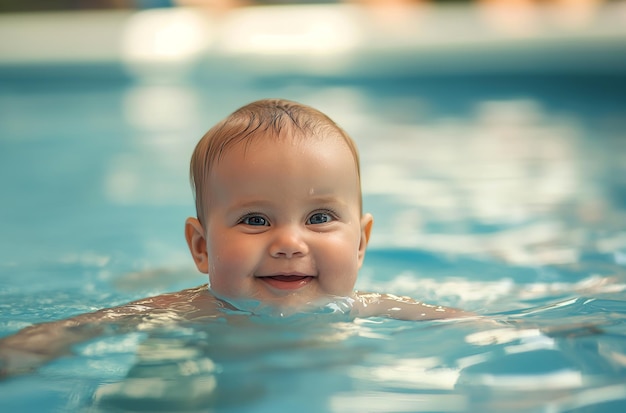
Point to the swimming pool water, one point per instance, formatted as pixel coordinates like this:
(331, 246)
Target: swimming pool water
(502, 194)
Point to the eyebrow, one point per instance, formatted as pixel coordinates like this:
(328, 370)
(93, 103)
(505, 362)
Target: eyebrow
(319, 199)
(326, 199)
(251, 203)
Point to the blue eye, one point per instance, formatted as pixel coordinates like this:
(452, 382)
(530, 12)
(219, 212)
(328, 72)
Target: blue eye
(254, 220)
(320, 218)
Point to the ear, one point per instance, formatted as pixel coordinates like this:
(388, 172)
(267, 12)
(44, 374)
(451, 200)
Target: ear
(194, 233)
(366, 228)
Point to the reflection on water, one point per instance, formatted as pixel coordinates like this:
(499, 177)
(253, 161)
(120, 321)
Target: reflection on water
(505, 165)
(217, 365)
(511, 178)
(160, 117)
(377, 364)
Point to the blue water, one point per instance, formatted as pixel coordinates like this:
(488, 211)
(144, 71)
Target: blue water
(502, 194)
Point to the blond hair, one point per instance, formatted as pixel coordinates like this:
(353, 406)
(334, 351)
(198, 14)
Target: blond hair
(263, 118)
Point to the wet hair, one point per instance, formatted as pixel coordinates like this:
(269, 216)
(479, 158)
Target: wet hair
(261, 119)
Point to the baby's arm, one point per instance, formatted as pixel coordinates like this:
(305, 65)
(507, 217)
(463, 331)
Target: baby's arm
(38, 344)
(401, 308)
(35, 345)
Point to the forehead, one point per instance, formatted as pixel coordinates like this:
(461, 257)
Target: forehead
(294, 164)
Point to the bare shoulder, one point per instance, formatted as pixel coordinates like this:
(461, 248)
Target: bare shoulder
(369, 304)
(189, 305)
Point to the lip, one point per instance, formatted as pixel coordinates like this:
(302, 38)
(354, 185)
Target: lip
(287, 281)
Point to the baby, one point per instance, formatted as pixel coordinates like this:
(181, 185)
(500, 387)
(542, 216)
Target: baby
(279, 229)
(279, 213)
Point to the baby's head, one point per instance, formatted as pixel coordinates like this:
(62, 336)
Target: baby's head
(278, 200)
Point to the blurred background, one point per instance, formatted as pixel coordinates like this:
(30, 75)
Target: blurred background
(486, 128)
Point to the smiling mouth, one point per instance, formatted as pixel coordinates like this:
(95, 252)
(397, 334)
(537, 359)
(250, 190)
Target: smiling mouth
(287, 282)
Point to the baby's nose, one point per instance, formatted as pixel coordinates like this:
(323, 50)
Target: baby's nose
(288, 243)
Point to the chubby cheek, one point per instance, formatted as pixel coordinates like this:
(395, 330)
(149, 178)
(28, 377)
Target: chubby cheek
(338, 266)
(230, 269)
